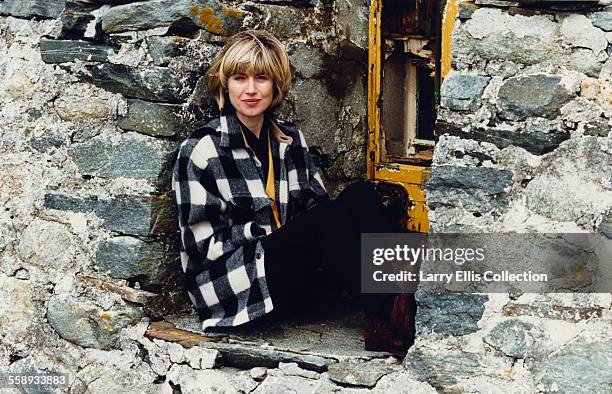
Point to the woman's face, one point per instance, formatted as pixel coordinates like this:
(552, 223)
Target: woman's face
(250, 94)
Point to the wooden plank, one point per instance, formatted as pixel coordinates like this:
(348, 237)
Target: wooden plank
(168, 332)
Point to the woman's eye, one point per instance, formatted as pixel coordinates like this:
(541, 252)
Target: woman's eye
(238, 77)
(262, 77)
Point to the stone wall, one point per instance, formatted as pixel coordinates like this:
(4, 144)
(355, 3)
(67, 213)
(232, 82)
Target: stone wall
(524, 146)
(95, 97)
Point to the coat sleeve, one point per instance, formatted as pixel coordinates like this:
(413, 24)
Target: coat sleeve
(208, 233)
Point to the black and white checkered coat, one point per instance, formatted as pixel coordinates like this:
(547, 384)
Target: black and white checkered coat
(224, 211)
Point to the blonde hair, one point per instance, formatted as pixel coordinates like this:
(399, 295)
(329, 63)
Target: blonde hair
(251, 51)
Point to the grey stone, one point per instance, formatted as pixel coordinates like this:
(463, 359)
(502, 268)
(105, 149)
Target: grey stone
(64, 51)
(602, 19)
(511, 337)
(553, 311)
(599, 128)
(449, 313)
(292, 369)
(75, 19)
(492, 34)
(477, 189)
(281, 21)
(30, 8)
(578, 368)
(352, 19)
(129, 257)
(401, 382)
(466, 11)
(136, 156)
(577, 31)
(47, 244)
(200, 358)
(258, 373)
(32, 366)
(164, 120)
(134, 215)
(294, 384)
(462, 91)
(442, 370)
(532, 140)
(306, 59)
(532, 95)
(149, 83)
(605, 226)
(576, 193)
(210, 15)
(86, 324)
(18, 315)
(164, 48)
(106, 377)
(580, 110)
(357, 374)
(246, 356)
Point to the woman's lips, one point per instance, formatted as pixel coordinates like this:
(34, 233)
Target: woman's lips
(252, 102)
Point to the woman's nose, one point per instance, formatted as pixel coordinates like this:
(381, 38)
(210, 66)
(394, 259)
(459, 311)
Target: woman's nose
(251, 85)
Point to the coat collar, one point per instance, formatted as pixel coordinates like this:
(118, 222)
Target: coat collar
(232, 137)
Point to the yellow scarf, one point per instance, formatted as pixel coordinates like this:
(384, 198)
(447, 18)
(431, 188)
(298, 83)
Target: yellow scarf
(270, 188)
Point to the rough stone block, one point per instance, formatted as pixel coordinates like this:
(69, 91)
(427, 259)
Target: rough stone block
(577, 368)
(64, 51)
(306, 59)
(605, 226)
(133, 215)
(354, 374)
(16, 316)
(578, 31)
(86, 324)
(47, 244)
(511, 337)
(548, 310)
(136, 156)
(493, 34)
(477, 189)
(129, 257)
(164, 48)
(88, 108)
(442, 370)
(246, 356)
(533, 141)
(75, 19)
(449, 313)
(149, 83)
(602, 19)
(155, 119)
(281, 21)
(532, 95)
(462, 92)
(30, 8)
(200, 358)
(210, 15)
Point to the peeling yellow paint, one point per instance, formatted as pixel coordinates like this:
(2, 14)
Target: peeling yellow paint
(448, 24)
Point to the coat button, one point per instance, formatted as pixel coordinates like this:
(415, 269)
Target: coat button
(252, 207)
(258, 256)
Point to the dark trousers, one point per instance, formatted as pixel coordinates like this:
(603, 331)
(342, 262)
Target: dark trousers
(317, 254)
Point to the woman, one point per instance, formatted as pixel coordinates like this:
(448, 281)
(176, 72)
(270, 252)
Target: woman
(258, 230)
